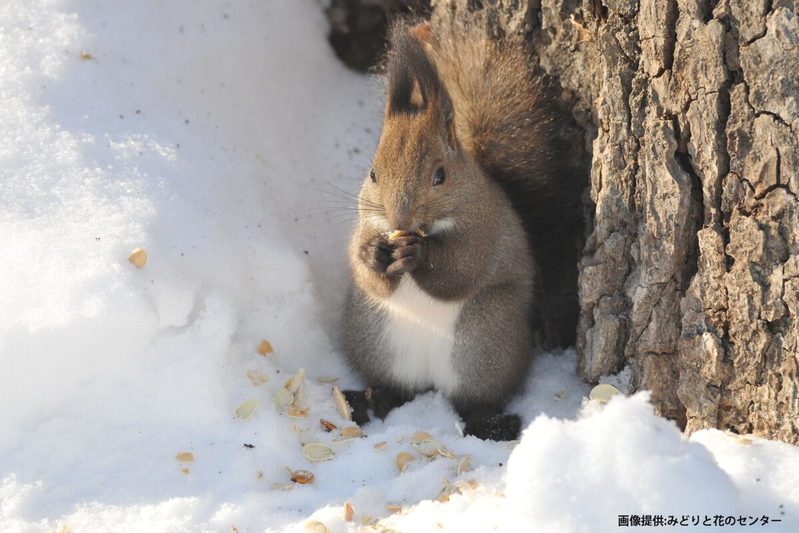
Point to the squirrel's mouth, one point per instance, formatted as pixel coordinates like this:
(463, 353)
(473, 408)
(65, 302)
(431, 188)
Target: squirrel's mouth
(441, 225)
(397, 233)
(425, 229)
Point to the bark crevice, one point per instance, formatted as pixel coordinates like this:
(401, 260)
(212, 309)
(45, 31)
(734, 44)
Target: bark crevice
(694, 178)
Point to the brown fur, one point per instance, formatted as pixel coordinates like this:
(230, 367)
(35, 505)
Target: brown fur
(510, 122)
(469, 106)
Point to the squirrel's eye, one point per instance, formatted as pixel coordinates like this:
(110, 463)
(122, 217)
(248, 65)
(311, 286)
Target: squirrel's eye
(373, 176)
(439, 177)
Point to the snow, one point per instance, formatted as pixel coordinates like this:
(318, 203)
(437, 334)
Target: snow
(579, 475)
(225, 139)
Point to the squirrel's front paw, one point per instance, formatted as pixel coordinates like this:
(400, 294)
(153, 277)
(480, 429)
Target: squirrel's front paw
(409, 252)
(376, 254)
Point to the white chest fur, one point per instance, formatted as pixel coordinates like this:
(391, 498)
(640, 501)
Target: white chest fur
(419, 332)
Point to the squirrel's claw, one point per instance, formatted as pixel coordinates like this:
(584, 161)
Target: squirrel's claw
(376, 254)
(409, 252)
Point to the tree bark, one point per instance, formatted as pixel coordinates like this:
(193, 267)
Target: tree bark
(690, 273)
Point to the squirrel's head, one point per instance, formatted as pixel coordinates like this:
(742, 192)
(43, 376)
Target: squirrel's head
(419, 174)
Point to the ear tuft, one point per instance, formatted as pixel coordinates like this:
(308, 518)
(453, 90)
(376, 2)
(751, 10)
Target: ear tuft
(413, 82)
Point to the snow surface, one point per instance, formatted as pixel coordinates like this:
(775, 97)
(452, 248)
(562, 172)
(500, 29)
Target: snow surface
(225, 139)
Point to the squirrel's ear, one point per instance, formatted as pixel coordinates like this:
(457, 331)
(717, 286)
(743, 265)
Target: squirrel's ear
(413, 83)
(407, 92)
(416, 98)
(414, 86)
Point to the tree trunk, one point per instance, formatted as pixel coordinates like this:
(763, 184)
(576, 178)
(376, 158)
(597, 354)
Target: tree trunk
(690, 273)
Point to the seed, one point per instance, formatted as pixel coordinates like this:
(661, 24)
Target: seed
(185, 457)
(603, 392)
(349, 512)
(297, 412)
(352, 432)
(257, 378)
(443, 452)
(397, 233)
(327, 425)
(402, 460)
(283, 398)
(265, 347)
(295, 382)
(343, 407)
(317, 452)
(314, 526)
(464, 465)
(427, 447)
(419, 436)
(138, 257)
(246, 409)
(303, 477)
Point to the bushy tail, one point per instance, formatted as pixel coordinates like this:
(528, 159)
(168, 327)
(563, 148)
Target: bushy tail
(503, 117)
(508, 118)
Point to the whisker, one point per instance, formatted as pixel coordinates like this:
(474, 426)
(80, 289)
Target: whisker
(348, 194)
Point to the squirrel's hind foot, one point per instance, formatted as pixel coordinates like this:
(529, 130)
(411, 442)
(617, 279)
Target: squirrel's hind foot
(379, 400)
(496, 426)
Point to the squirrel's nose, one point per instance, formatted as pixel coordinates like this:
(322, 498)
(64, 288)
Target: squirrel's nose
(402, 217)
(403, 223)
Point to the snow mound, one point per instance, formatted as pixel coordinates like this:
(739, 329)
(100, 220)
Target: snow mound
(623, 461)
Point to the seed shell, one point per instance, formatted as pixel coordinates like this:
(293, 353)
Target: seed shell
(303, 477)
(419, 436)
(295, 382)
(246, 409)
(352, 432)
(464, 465)
(315, 526)
(343, 407)
(185, 457)
(349, 512)
(265, 347)
(402, 460)
(283, 398)
(327, 425)
(317, 452)
(138, 258)
(427, 447)
(603, 392)
(257, 378)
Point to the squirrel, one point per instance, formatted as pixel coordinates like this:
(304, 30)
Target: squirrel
(464, 257)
